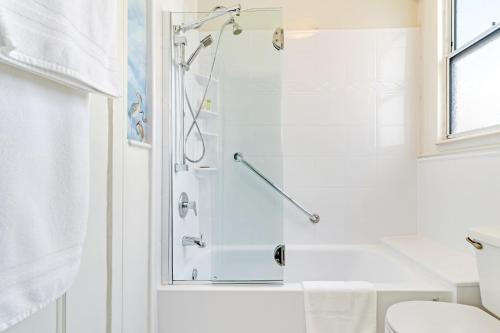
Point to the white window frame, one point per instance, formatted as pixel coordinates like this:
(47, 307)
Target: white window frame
(452, 52)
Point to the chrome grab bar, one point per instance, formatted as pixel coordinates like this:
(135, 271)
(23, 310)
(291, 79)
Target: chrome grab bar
(314, 218)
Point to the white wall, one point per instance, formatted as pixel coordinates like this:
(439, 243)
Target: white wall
(89, 291)
(457, 192)
(135, 239)
(350, 102)
(433, 48)
(334, 14)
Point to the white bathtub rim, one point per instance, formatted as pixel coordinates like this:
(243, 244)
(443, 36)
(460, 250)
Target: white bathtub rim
(420, 279)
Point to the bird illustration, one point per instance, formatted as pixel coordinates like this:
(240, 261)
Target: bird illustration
(139, 128)
(136, 108)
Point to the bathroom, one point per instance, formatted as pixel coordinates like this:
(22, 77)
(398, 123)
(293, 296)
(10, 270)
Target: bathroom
(249, 166)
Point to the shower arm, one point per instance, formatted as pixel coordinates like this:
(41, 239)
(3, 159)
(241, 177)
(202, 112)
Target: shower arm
(213, 15)
(314, 218)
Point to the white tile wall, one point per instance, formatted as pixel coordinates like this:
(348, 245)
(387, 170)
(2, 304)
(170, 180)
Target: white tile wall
(349, 110)
(343, 143)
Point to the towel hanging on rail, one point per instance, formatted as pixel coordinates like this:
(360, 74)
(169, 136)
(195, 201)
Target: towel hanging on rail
(44, 142)
(72, 42)
(44, 189)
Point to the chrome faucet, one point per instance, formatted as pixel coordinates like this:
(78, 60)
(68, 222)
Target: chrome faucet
(185, 205)
(190, 241)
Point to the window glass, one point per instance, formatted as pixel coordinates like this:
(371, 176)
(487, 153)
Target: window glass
(475, 86)
(473, 17)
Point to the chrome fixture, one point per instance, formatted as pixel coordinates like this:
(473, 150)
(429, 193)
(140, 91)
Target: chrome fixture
(314, 218)
(475, 243)
(279, 39)
(215, 13)
(194, 241)
(204, 43)
(237, 29)
(178, 101)
(194, 274)
(181, 66)
(279, 255)
(185, 205)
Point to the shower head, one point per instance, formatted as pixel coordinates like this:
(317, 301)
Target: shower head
(204, 43)
(236, 28)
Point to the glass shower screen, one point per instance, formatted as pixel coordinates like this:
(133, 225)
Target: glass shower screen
(226, 222)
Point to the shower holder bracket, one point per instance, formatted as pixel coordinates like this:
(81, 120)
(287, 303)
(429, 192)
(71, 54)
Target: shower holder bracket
(279, 39)
(181, 167)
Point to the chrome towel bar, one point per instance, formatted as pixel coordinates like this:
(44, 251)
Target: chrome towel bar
(314, 218)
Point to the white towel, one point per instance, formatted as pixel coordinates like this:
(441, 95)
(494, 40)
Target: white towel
(44, 187)
(340, 307)
(70, 41)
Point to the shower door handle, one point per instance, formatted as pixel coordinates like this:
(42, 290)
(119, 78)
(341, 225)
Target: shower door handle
(279, 255)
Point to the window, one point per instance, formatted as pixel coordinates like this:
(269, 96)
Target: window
(474, 67)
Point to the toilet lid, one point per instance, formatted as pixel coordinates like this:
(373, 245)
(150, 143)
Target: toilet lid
(427, 317)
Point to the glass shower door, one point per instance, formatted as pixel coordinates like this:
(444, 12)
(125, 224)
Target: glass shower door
(239, 214)
(251, 226)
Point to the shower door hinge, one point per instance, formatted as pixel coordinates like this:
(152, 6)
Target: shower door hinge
(279, 39)
(279, 254)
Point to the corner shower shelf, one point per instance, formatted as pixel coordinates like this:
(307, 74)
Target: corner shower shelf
(208, 115)
(207, 135)
(203, 79)
(205, 171)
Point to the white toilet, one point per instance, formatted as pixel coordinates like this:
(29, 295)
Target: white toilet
(427, 317)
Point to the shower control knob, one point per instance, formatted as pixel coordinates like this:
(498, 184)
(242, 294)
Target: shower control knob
(185, 205)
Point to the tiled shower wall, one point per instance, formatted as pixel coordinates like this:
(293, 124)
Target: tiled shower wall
(350, 99)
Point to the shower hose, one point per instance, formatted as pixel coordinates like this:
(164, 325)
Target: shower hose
(194, 124)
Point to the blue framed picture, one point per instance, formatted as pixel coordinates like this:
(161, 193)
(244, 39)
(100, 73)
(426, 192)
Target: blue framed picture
(137, 72)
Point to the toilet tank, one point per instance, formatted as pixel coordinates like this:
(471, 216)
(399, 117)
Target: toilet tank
(488, 265)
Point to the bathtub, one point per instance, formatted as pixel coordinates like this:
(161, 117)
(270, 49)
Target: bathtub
(213, 308)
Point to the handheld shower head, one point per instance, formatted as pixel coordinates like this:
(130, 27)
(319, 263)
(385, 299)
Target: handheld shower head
(204, 43)
(207, 41)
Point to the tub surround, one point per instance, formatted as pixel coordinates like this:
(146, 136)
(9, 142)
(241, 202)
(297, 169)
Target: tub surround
(279, 308)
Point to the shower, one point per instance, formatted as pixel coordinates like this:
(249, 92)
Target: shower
(226, 206)
(184, 66)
